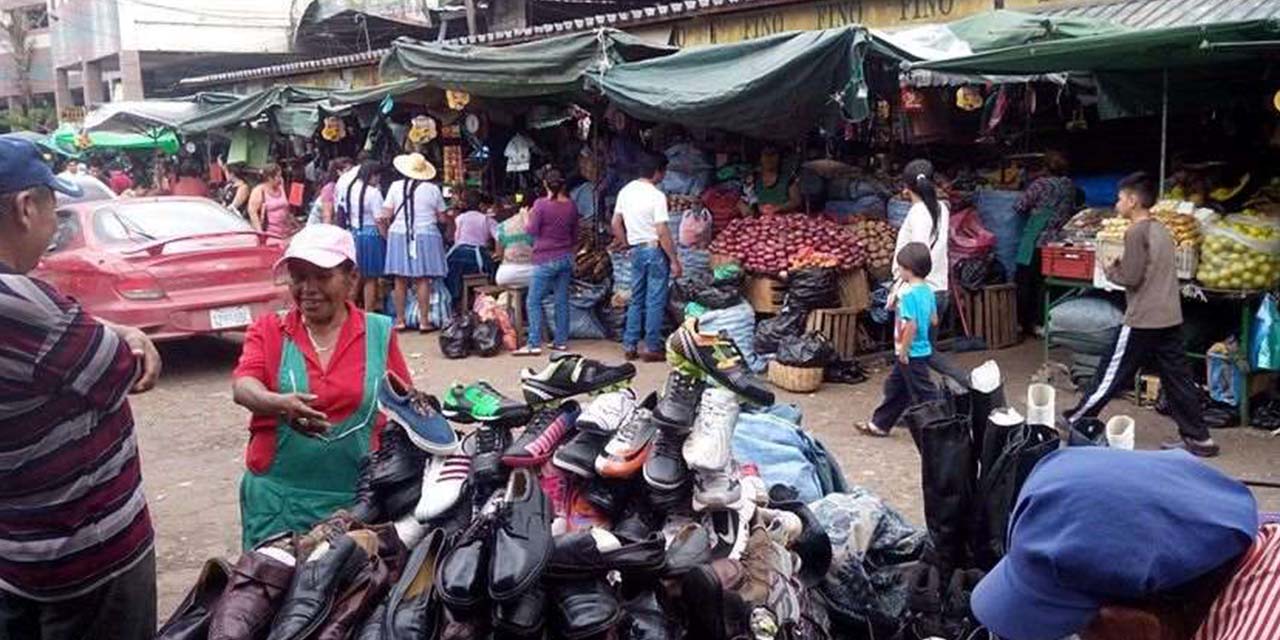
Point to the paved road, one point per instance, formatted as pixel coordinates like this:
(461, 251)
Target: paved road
(193, 438)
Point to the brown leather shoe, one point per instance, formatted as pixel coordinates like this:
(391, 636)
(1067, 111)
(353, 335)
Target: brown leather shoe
(256, 586)
(653, 356)
(362, 595)
(190, 620)
(324, 531)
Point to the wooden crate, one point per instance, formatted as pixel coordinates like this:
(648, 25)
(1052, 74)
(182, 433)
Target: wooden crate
(840, 326)
(993, 314)
(764, 294)
(855, 293)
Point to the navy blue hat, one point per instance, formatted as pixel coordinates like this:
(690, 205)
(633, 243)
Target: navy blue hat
(1097, 526)
(22, 167)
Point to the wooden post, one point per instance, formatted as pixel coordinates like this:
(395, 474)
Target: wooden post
(471, 17)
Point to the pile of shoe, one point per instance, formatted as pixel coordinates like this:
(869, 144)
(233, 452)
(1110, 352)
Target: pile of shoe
(584, 511)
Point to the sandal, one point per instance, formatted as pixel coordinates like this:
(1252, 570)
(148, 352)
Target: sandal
(527, 351)
(868, 429)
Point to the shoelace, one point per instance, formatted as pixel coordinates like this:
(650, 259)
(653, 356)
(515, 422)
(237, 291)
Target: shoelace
(685, 387)
(668, 446)
(628, 432)
(487, 440)
(541, 420)
(420, 403)
(614, 413)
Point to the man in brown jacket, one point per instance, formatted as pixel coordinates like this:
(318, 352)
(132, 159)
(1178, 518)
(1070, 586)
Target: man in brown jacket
(1151, 336)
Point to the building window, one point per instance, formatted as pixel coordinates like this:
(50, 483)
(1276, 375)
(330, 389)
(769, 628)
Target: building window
(37, 17)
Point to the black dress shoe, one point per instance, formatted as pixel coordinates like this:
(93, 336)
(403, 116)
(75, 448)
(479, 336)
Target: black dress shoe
(522, 617)
(374, 628)
(412, 612)
(522, 538)
(578, 555)
(462, 580)
(396, 460)
(190, 621)
(609, 495)
(366, 507)
(644, 619)
(584, 608)
(315, 586)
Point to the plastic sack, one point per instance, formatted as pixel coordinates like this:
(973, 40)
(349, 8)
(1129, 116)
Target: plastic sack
(769, 333)
(968, 238)
(486, 338)
(695, 229)
(739, 322)
(439, 310)
(972, 274)
(1265, 341)
(455, 337)
(1241, 252)
(696, 262)
(584, 298)
(621, 278)
(809, 350)
(995, 208)
(1085, 315)
(1225, 380)
(810, 289)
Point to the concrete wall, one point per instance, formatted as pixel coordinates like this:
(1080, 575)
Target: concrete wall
(208, 26)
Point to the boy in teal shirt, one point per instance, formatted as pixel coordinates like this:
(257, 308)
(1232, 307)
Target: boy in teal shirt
(909, 381)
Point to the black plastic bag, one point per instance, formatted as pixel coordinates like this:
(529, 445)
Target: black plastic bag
(719, 295)
(975, 273)
(809, 350)
(844, 372)
(789, 322)
(810, 289)
(486, 338)
(455, 337)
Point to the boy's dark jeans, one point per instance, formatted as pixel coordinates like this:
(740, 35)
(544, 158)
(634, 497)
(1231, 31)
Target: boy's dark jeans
(898, 396)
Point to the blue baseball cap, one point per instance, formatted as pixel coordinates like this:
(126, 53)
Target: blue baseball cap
(1096, 526)
(22, 167)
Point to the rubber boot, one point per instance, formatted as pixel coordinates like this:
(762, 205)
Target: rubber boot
(946, 477)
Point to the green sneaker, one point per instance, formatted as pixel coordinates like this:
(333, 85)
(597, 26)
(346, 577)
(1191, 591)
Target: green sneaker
(480, 402)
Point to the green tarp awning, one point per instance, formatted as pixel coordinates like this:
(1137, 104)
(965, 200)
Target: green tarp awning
(65, 139)
(298, 107)
(531, 69)
(1149, 50)
(774, 88)
(1000, 29)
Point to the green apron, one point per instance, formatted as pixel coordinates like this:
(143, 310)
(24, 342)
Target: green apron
(311, 477)
(1036, 223)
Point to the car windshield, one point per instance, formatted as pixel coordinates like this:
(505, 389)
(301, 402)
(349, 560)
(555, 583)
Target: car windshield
(93, 190)
(163, 219)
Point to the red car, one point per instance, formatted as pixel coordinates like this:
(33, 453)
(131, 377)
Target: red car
(173, 267)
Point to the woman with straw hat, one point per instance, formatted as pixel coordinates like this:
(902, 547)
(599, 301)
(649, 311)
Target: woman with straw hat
(415, 248)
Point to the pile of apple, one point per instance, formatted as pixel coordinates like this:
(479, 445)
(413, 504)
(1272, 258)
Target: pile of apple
(767, 244)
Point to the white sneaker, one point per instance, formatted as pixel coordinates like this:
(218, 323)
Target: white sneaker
(729, 529)
(708, 448)
(609, 411)
(443, 479)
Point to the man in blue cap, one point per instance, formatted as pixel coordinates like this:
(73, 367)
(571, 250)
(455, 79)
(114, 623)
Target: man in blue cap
(76, 544)
(1133, 545)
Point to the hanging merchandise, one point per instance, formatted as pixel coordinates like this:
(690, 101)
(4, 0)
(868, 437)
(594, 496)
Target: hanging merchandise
(1266, 336)
(457, 100)
(250, 147)
(334, 129)
(912, 100)
(423, 129)
(968, 98)
(519, 153)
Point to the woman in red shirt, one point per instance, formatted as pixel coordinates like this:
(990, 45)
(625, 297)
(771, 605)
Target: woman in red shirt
(310, 378)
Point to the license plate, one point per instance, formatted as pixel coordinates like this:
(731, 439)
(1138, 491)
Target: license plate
(230, 317)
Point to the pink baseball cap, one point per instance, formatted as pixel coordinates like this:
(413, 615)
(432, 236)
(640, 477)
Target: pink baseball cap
(324, 245)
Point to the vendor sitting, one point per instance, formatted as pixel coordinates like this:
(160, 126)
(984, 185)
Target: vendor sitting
(1134, 545)
(310, 378)
(775, 186)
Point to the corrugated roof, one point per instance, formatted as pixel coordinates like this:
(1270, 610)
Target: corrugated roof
(632, 17)
(1155, 14)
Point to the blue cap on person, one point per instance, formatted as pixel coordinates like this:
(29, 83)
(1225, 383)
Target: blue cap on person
(1096, 526)
(22, 167)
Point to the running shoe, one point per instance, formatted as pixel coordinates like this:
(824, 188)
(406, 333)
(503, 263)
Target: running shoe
(569, 374)
(544, 433)
(486, 465)
(607, 413)
(666, 468)
(628, 449)
(480, 402)
(679, 404)
(418, 413)
(709, 447)
(443, 480)
(714, 354)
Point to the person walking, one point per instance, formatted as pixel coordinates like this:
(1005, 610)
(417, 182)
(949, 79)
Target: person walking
(640, 219)
(415, 248)
(1151, 336)
(1048, 203)
(917, 316)
(360, 203)
(78, 555)
(553, 223)
(269, 210)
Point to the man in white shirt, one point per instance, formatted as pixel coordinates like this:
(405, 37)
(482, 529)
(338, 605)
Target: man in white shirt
(640, 223)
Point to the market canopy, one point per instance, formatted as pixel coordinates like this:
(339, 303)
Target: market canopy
(540, 68)
(296, 109)
(771, 88)
(142, 115)
(73, 141)
(1151, 50)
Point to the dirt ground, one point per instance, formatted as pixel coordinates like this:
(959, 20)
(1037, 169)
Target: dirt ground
(193, 437)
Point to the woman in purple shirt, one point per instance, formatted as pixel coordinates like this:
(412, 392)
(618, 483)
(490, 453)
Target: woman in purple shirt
(553, 223)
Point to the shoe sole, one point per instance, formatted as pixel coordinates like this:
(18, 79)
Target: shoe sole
(665, 486)
(517, 462)
(684, 363)
(535, 392)
(565, 465)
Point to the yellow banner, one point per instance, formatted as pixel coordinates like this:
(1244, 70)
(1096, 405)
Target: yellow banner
(881, 14)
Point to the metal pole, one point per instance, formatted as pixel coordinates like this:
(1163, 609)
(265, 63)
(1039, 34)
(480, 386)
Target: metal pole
(1164, 128)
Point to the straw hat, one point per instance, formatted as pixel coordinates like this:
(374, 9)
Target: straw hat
(414, 166)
